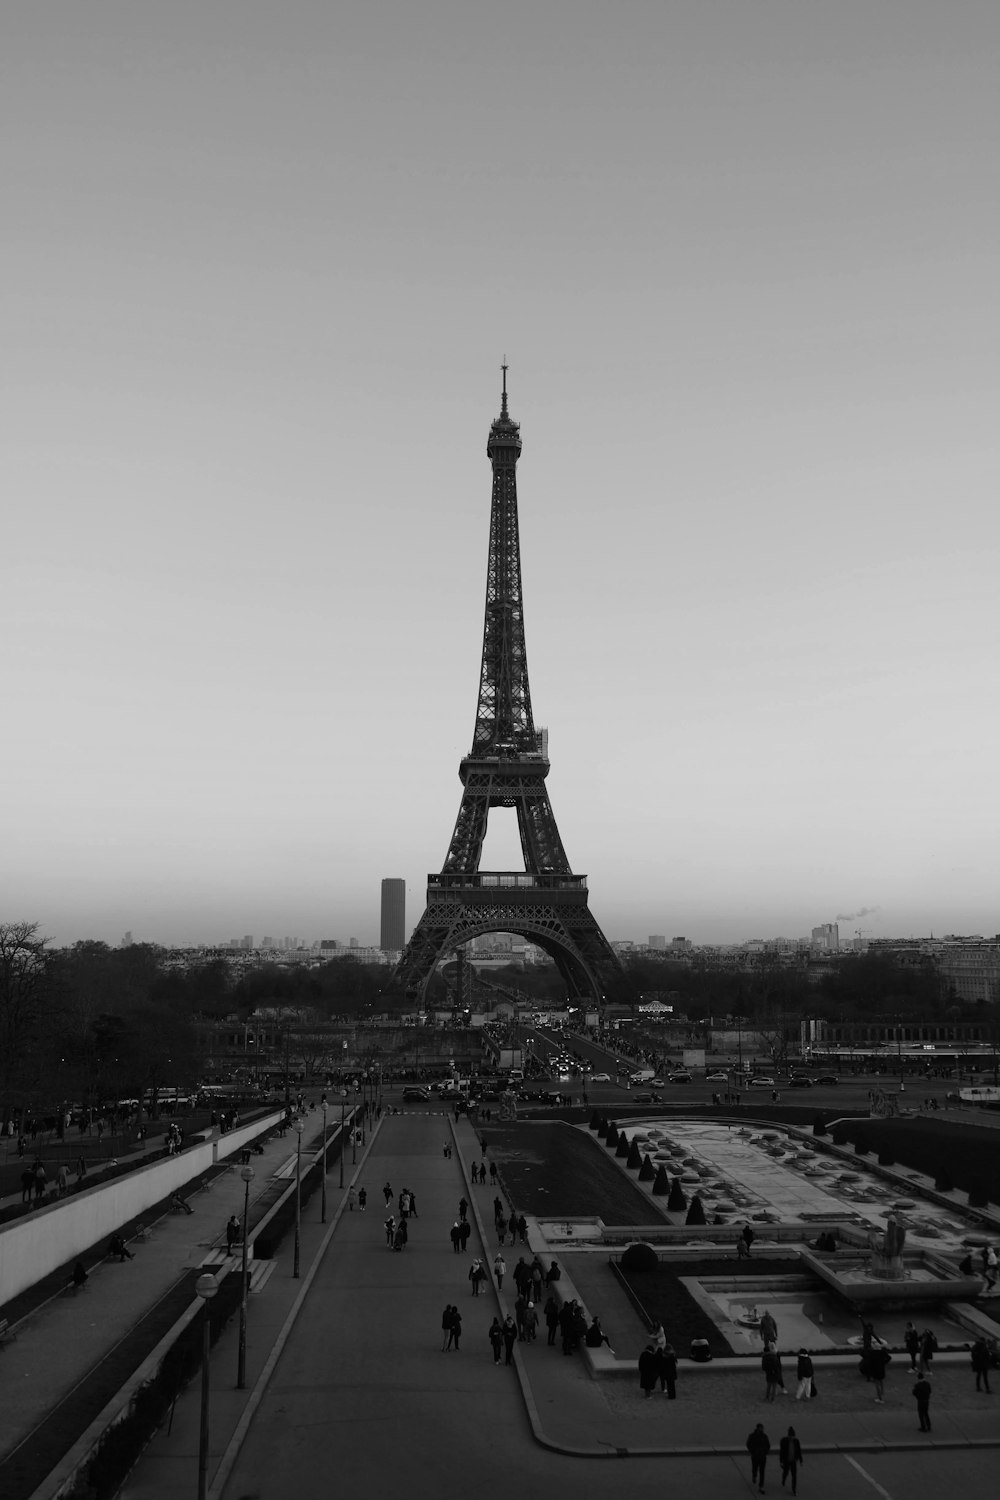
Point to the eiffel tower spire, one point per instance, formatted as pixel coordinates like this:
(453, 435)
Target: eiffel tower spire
(507, 767)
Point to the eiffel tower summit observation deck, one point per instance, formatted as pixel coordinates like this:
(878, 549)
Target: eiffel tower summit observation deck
(507, 767)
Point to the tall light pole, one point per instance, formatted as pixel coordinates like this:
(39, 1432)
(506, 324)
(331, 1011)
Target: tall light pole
(298, 1195)
(323, 1213)
(343, 1104)
(354, 1136)
(241, 1365)
(206, 1287)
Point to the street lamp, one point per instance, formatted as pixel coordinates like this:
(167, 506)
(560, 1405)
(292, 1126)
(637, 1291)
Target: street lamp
(323, 1214)
(343, 1103)
(246, 1173)
(298, 1195)
(354, 1137)
(206, 1286)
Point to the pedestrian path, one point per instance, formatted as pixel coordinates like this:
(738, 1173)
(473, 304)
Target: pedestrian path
(360, 1331)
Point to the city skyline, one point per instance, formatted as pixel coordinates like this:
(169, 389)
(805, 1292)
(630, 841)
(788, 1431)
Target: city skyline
(262, 272)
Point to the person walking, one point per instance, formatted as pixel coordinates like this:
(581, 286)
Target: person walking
(496, 1339)
(789, 1457)
(551, 1314)
(362, 1198)
(647, 1371)
(911, 1343)
(476, 1276)
(981, 1364)
(747, 1237)
(878, 1361)
(456, 1238)
(922, 1396)
(463, 1207)
(464, 1232)
(509, 1338)
(499, 1270)
(758, 1447)
(446, 1327)
(390, 1230)
(387, 1193)
(456, 1329)
(804, 1376)
(512, 1227)
(118, 1247)
(232, 1234)
(769, 1365)
(530, 1323)
(351, 1199)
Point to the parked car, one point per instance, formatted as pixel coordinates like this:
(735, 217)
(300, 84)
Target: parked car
(716, 1077)
(798, 1081)
(415, 1096)
(680, 1078)
(827, 1078)
(649, 1098)
(763, 1082)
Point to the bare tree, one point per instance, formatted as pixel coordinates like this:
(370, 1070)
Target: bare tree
(24, 968)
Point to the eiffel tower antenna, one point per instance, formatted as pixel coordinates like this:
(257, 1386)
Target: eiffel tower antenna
(546, 903)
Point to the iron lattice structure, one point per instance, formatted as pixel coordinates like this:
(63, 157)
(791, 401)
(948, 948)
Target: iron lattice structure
(507, 767)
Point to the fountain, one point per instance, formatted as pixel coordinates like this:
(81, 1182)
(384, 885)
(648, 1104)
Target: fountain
(887, 1252)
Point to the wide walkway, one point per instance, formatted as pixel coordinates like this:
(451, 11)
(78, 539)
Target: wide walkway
(349, 1384)
(346, 1377)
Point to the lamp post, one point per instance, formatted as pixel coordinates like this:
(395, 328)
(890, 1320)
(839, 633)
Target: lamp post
(343, 1104)
(354, 1137)
(298, 1194)
(206, 1287)
(323, 1212)
(241, 1365)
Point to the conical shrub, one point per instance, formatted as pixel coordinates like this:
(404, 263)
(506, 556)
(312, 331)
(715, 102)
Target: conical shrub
(696, 1213)
(677, 1202)
(661, 1184)
(634, 1157)
(647, 1171)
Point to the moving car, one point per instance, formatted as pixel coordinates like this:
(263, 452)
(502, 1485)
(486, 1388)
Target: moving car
(763, 1082)
(415, 1096)
(799, 1081)
(680, 1078)
(649, 1098)
(716, 1077)
(828, 1078)
(600, 1077)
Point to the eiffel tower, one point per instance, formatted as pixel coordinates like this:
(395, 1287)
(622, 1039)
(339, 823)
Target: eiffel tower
(507, 766)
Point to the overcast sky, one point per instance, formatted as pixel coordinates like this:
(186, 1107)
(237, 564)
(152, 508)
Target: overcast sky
(261, 264)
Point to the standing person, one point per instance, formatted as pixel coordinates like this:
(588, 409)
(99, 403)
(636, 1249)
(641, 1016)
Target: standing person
(878, 1360)
(666, 1369)
(804, 1376)
(351, 1198)
(362, 1198)
(981, 1364)
(790, 1456)
(647, 1371)
(530, 1323)
(499, 1217)
(493, 1172)
(928, 1346)
(402, 1236)
(911, 1343)
(232, 1233)
(522, 1229)
(496, 1339)
(922, 1396)
(446, 1327)
(768, 1329)
(512, 1227)
(456, 1238)
(62, 1179)
(499, 1270)
(390, 1230)
(747, 1237)
(456, 1328)
(476, 1276)
(387, 1193)
(509, 1338)
(551, 1314)
(464, 1231)
(758, 1447)
(463, 1207)
(769, 1364)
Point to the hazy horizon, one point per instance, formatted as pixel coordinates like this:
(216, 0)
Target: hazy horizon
(263, 265)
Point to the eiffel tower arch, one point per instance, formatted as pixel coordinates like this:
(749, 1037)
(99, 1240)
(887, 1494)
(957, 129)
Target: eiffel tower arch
(546, 903)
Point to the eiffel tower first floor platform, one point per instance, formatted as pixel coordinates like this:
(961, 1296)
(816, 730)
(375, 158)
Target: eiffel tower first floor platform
(548, 910)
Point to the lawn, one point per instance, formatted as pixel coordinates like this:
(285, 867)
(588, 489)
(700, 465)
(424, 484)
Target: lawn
(554, 1171)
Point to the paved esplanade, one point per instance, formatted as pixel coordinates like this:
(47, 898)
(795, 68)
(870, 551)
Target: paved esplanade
(351, 1389)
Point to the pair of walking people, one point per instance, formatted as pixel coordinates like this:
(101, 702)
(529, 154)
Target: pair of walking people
(790, 1457)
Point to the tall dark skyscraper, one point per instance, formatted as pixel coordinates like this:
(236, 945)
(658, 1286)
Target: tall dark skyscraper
(393, 937)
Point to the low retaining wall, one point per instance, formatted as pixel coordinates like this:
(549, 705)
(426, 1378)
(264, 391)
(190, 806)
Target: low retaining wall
(69, 1226)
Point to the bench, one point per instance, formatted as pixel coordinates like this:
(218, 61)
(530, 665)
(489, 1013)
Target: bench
(5, 1332)
(142, 1233)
